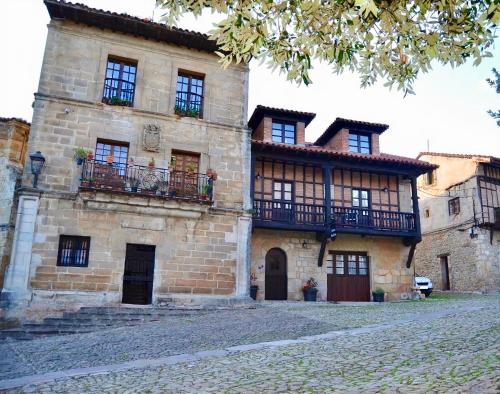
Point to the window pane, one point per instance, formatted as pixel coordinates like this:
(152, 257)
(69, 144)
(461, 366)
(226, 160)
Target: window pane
(339, 264)
(351, 262)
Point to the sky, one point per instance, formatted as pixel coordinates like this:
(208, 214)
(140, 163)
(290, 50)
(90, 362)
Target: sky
(448, 111)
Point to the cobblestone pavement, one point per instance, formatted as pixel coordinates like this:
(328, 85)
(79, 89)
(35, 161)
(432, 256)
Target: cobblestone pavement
(447, 345)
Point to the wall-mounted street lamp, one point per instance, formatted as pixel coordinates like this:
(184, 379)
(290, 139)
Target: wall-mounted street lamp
(37, 162)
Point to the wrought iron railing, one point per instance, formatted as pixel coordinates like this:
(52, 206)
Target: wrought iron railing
(287, 212)
(118, 92)
(189, 104)
(295, 214)
(373, 219)
(146, 180)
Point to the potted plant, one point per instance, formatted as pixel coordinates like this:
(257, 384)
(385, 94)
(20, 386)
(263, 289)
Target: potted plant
(134, 184)
(206, 191)
(151, 163)
(109, 159)
(253, 287)
(90, 155)
(310, 290)
(378, 295)
(191, 168)
(80, 155)
(163, 187)
(212, 174)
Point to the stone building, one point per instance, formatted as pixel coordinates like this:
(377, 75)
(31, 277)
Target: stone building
(14, 135)
(460, 216)
(337, 210)
(159, 209)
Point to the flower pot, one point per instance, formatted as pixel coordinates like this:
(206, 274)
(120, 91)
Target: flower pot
(134, 189)
(79, 161)
(378, 297)
(310, 294)
(253, 291)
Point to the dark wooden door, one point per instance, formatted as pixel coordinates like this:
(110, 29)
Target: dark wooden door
(276, 275)
(184, 178)
(350, 280)
(445, 273)
(138, 274)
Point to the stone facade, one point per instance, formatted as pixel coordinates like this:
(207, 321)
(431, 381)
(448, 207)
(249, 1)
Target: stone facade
(201, 249)
(387, 261)
(470, 246)
(14, 135)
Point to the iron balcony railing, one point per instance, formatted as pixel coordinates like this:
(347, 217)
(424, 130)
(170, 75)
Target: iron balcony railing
(148, 180)
(189, 104)
(118, 92)
(296, 215)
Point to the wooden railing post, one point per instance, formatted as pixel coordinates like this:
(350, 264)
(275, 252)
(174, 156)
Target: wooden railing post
(327, 178)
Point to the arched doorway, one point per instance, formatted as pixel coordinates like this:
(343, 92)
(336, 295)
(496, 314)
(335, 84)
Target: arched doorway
(276, 275)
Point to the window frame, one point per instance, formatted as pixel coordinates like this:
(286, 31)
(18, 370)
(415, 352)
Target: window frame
(360, 191)
(190, 75)
(454, 206)
(102, 159)
(430, 177)
(73, 251)
(357, 148)
(122, 62)
(347, 268)
(282, 137)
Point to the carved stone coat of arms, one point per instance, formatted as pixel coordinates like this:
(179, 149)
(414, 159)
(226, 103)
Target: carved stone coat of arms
(151, 138)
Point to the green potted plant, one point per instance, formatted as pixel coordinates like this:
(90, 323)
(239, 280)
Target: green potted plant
(253, 287)
(134, 184)
(378, 295)
(80, 155)
(206, 191)
(90, 155)
(310, 290)
(151, 163)
(191, 168)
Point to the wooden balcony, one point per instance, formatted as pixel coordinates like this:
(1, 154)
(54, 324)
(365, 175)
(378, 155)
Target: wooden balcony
(306, 217)
(146, 181)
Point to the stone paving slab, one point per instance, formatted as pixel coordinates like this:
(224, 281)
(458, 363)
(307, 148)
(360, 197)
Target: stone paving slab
(414, 349)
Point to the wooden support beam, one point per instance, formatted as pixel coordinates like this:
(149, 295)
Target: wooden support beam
(411, 253)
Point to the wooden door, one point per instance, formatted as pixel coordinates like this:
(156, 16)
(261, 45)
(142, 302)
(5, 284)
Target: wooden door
(445, 273)
(138, 274)
(184, 178)
(276, 275)
(350, 279)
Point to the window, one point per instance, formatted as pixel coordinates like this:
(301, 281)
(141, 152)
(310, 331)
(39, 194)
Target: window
(283, 132)
(119, 84)
(360, 198)
(430, 177)
(189, 96)
(454, 206)
(359, 143)
(351, 263)
(282, 191)
(119, 151)
(73, 251)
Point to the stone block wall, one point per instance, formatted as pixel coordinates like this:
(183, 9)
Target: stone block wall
(196, 248)
(387, 261)
(474, 263)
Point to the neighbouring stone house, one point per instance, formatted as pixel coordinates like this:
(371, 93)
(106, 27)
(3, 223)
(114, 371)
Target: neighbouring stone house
(14, 135)
(337, 209)
(160, 208)
(460, 216)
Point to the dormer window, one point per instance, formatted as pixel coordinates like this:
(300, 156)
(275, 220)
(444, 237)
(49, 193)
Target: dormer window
(284, 132)
(359, 143)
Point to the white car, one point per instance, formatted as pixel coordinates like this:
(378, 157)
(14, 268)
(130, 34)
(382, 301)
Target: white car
(424, 284)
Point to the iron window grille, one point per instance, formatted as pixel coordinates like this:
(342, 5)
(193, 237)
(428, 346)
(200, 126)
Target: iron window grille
(189, 95)
(284, 132)
(73, 251)
(119, 84)
(454, 206)
(359, 143)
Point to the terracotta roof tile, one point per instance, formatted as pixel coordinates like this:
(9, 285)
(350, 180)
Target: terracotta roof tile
(460, 156)
(124, 23)
(383, 157)
(14, 119)
(340, 123)
(261, 110)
